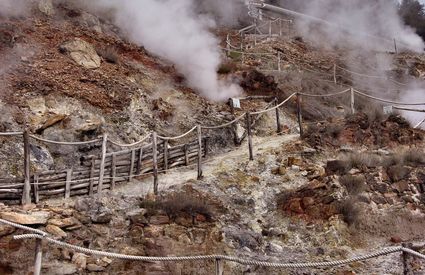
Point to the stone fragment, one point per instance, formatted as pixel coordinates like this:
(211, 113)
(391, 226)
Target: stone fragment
(80, 260)
(82, 52)
(33, 218)
(56, 231)
(159, 219)
(95, 268)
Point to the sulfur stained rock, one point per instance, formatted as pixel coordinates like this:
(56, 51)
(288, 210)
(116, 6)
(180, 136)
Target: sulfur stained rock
(82, 52)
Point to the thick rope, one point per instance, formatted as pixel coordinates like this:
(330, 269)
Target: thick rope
(362, 258)
(325, 95)
(23, 227)
(65, 143)
(178, 137)
(224, 125)
(408, 110)
(132, 144)
(275, 107)
(373, 76)
(388, 101)
(419, 124)
(12, 134)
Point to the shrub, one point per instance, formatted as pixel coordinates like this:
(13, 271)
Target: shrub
(397, 172)
(185, 203)
(350, 211)
(414, 157)
(361, 160)
(226, 68)
(152, 207)
(354, 184)
(109, 53)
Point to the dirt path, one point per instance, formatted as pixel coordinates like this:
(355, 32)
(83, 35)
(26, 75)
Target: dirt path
(181, 175)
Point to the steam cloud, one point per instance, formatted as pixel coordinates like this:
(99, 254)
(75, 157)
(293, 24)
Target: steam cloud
(13, 7)
(176, 31)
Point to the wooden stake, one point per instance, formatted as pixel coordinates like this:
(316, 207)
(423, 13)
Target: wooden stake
(299, 115)
(279, 127)
(155, 162)
(270, 28)
(165, 155)
(280, 27)
(132, 160)
(38, 256)
(68, 184)
(36, 196)
(113, 171)
(353, 110)
(219, 267)
(278, 62)
(248, 127)
(26, 198)
(92, 171)
(102, 163)
(335, 74)
(186, 155)
(199, 152)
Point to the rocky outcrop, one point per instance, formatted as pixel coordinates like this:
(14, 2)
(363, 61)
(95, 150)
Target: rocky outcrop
(82, 52)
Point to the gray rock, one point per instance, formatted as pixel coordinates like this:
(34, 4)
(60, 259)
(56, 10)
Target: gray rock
(275, 248)
(82, 53)
(46, 7)
(95, 268)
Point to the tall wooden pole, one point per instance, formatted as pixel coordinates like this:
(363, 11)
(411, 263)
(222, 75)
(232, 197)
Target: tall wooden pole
(279, 127)
(248, 127)
(155, 162)
(102, 163)
(299, 115)
(353, 110)
(335, 74)
(26, 198)
(199, 128)
(38, 257)
(218, 267)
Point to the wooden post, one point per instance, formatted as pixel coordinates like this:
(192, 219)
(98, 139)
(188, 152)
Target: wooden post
(228, 45)
(26, 198)
(279, 127)
(335, 74)
(199, 152)
(353, 110)
(299, 115)
(35, 188)
(165, 155)
(38, 256)
(405, 256)
(92, 171)
(270, 29)
(186, 155)
(219, 267)
(248, 127)
(279, 67)
(102, 163)
(132, 160)
(68, 183)
(139, 162)
(155, 162)
(280, 27)
(113, 171)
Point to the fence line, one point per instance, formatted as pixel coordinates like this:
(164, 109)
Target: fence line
(41, 235)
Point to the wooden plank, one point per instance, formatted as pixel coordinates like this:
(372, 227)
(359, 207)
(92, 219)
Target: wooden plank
(113, 172)
(249, 132)
(38, 256)
(139, 161)
(155, 162)
(35, 188)
(132, 160)
(199, 128)
(68, 184)
(92, 173)
(102, 164)
(165, 155)
(26, 198)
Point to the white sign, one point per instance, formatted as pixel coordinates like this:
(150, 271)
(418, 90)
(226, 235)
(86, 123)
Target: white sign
(388, 110)
(236, 103)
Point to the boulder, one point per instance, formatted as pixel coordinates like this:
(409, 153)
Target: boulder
(82, 53)
(35, 218)
(80, 260)
(65, 223)
(137, 216)
(46, 7)
(55, 231)
(102, 217)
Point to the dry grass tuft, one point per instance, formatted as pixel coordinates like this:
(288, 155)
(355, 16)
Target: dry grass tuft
(350, 211)
(109, 53)
(354, 184)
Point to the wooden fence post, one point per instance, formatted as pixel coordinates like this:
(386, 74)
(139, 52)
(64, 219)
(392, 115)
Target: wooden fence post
(92, 171)
(139, 162)
(270, 29)
(335, 74)
(68, 183)
(35, 189)
(228, 45)
(26, 198)
(248, 127)
(155, 162)
(279, 127)
(132, 160)
(219, 267)
(280, 27)
(406, 268)
(353, 110)
(38, 256)
(102, 163)
(186, 154)
(279, 67)
(199, 128)
(113, 171)
(165, 155)
(299, 115)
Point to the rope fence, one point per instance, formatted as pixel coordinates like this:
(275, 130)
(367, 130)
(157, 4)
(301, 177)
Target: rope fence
(219, 259)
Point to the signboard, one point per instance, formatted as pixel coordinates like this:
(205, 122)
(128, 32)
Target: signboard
(388, 110)
(236, 103)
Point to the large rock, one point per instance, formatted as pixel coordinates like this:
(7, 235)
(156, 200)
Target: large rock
(46, 7)
(34, 218)
(55, 231)
(82, 53)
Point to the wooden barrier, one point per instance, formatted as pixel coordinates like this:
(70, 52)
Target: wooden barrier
(26, 198)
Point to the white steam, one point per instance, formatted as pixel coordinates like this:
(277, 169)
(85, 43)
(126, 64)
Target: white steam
(174, 30)
(13, 7)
